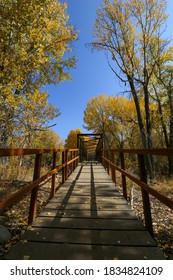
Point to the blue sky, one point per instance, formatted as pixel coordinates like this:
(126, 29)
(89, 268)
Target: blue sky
(92, 75)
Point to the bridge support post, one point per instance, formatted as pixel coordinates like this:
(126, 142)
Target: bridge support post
(54, 175)
(113, 171)
(123, 176)
(71, 165)
(64, 170)
(34, 193)
(145, 195)
(105, 164)
(107, 156)
(63, 161)
(74, 163)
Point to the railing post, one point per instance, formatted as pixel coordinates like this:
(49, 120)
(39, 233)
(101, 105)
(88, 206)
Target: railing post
(123, 176)
(76, 162)
(34, 192)
(105, 164)
(66, 166)
(73, 163)
(64, 170)
(54, 175)
(107, 156)
(103, 161)
(113, 171)
(145, 194)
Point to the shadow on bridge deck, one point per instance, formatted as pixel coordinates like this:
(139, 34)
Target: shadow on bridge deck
(88, 218)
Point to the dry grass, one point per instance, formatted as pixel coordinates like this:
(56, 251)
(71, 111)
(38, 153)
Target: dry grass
(13, 177)
(165, 186)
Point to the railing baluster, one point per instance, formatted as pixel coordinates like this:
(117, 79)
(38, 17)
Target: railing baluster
(53, 186)
(113, 171)
(123, 176)
(74, 162)
(105, 163)
(64, 161)
(71, 165)
(77, 161)
(66, 166)
(63, 169)
(145, 194)
(107, 156)
(34, 192)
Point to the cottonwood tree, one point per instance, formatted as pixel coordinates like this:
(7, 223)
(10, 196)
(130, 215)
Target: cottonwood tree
(71, 141)
(44, 139)
(162, 94)
(26, 119)
(115, 117)
(127, 30)
(96, 116)
(34, 39)
(162, 86)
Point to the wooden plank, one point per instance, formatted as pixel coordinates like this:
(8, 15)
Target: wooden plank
(88, 183)
(87, 193)
(55, 251)
(101, 192)
(86, 188)
(88, 199)
(88, 223)
(88, 206)
(104, 237)
(123, 215)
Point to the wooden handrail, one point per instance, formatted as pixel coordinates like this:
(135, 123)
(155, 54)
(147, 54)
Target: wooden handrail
(156, 151)
(37, 180)
(142, 181)
(20, 152)
(164, 199)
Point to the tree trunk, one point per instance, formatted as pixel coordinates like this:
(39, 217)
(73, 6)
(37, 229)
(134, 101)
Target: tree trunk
(148, 127)
(165, 132)
(148, 118)
(148, 159)
(170, 159)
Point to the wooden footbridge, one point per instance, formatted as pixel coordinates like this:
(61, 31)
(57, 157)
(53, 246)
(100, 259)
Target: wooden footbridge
(87, 216)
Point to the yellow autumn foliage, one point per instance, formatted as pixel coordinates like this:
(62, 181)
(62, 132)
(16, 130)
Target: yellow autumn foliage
(34, 39)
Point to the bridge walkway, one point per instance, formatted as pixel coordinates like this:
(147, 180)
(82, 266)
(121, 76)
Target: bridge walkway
(87, 219)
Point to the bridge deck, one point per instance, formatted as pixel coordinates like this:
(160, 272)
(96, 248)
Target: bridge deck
(88, 218)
